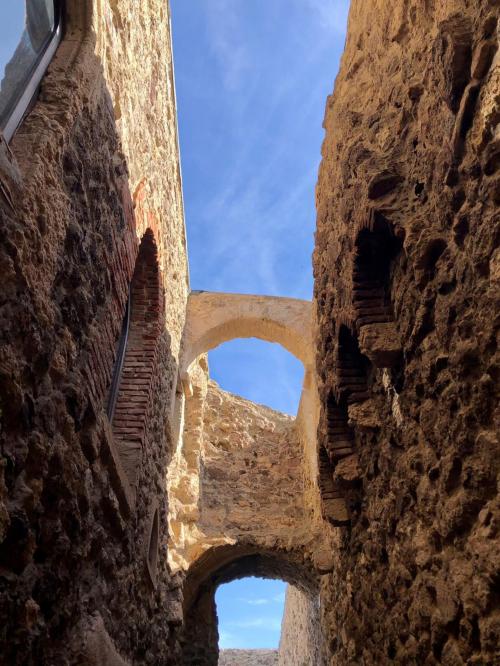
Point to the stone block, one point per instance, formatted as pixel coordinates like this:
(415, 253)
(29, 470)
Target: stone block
(381, 344)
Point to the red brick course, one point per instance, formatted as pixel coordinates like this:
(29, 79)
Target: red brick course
(134, 393)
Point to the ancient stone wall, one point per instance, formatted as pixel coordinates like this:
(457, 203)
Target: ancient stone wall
(251, 474)
(248, 658)
(92, 171)
(250, 506)
(301, 642)
(407, 275)
(406, 284)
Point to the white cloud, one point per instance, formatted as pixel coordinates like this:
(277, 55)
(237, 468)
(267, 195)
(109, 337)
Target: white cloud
(227, 639)
(257, 89)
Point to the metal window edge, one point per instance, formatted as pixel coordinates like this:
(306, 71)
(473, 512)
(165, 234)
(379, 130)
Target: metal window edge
(30, 89)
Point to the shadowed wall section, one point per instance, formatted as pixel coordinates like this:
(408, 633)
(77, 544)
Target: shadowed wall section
(406, 271)
(81, 184)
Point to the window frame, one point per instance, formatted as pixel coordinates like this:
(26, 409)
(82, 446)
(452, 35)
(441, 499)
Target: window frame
(22, 106)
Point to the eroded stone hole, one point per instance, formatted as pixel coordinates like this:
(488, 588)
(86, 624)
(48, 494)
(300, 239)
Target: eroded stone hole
(332, 495)
(340, 441)
(375, 251)
(352, 369)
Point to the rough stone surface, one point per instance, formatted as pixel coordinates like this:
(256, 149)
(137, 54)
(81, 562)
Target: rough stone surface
(211, 319)
(74, 533)
(301, 642)
(251, 473)
(250, 516)
(407, 237)
(248, 658)
(214, 318)
(381, 495)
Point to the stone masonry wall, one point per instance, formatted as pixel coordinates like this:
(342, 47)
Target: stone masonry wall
(301, 641)
(250, 511)
(406, 285)
(91, 169)
(251, 473)
(248, 658)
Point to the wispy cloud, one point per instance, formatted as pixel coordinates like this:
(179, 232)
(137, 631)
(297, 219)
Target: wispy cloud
(253, 77)
(227, 639)
(279, 598)
(263, 601)
(224, 27)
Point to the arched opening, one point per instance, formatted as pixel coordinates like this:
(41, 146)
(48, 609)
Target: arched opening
(214, 318)
(263, 372)
(376, 250)
(225, 564)
(129, 396)
(225, 474)
(250, 612)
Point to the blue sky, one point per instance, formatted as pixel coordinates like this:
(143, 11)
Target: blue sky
(11, 28)
(252, 77)
(250, 612)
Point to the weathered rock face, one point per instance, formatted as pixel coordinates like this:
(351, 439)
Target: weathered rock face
(241, 431)
(406, 270)
(80, 540)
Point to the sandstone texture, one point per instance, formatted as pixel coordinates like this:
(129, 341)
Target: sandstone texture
(248, 658)
(89, 171)
(206, 431)
(251, 473)
(250, 514)
(406, 290)
(301, 642)
(131, 485)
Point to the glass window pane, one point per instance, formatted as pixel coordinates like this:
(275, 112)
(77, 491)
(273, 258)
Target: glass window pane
(26, 27)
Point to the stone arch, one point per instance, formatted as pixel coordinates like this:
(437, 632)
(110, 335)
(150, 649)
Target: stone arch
(215, 318)
(224, 564)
